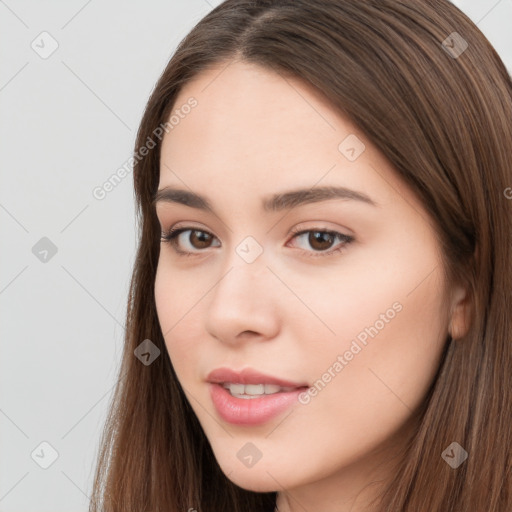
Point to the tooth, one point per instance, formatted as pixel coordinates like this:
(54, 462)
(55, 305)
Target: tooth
(254, 389)
(236, 389)
(271, 388)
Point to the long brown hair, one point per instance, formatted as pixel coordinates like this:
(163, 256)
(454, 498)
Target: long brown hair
(427, 88)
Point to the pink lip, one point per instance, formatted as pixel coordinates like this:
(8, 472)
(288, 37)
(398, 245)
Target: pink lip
(250, 411)
(249, 376)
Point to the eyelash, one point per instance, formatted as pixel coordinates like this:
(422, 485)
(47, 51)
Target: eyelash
(169, 237)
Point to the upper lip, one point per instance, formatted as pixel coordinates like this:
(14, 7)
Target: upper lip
(249, 376)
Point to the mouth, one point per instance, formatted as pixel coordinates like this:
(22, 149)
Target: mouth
(248, 397)
(245, 409)
(254, 382)
(249, 391)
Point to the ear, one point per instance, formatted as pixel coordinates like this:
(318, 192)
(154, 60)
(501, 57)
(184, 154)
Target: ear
(460, 313)
(462, 306)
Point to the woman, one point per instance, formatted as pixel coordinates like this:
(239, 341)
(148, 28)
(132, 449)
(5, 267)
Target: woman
(319, 311)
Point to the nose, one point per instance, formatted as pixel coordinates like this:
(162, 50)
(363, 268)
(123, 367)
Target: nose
(242, 303)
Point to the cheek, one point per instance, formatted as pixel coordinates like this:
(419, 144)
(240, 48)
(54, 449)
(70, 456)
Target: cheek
(177, 292)
(365, 396)
(176, 300)
(388, 318)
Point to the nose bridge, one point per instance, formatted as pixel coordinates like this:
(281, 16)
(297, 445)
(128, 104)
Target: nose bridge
(244, 279)
(241, 300)
(245, 268)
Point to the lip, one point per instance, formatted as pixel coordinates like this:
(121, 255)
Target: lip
(250, 411)
(249, 376)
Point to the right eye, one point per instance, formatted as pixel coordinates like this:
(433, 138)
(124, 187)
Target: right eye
(196, 239)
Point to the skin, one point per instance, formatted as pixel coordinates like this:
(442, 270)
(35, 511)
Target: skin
(254, 133)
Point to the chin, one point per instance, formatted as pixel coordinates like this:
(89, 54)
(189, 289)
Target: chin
(257, 478)
(255, 483)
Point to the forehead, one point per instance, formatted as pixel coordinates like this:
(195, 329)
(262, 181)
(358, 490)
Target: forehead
(256, 131)
(238, 101)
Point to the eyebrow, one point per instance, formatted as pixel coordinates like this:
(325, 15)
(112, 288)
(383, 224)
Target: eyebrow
(275, 203)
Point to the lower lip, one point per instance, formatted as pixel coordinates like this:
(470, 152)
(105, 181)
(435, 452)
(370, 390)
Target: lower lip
(251, 411)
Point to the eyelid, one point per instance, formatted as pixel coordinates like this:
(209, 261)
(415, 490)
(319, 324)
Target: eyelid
(175, 231)
(345, 240)
(318, 225)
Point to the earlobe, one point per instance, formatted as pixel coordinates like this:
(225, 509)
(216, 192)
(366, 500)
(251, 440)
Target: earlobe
(460, 316)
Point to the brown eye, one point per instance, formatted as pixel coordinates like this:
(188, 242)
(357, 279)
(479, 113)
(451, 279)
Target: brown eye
(320, 240)
(200, 239)
(192, 242)
(188, 240)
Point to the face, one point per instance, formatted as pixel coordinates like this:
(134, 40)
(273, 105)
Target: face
(341, 296)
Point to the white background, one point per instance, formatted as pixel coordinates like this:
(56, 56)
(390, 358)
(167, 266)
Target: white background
(67, 123)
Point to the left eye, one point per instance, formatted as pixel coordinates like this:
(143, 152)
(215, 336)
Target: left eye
(197, 236)
(320, 240)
